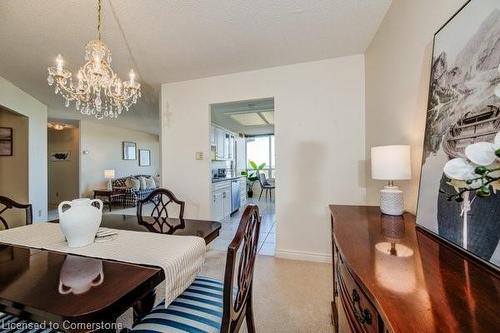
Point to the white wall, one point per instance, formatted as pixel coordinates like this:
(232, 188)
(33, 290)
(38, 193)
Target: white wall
(17, 100)
(320, 143)
(104, 146)
(397, 80)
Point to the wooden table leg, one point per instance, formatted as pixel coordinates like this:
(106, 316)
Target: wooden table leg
(144, 306)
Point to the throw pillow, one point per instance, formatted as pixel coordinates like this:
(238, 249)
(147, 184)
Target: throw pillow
(157, 181)
(133, 183)
(150, 183)
(142, 181)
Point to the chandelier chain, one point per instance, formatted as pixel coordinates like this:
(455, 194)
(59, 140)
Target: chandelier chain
(99, 13)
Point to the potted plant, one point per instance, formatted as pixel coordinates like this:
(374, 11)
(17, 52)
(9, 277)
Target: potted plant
(252, 176)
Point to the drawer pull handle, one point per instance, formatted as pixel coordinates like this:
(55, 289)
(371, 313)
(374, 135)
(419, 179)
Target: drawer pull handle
(362, 315)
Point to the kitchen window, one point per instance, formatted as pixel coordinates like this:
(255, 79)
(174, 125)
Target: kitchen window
(260, 149)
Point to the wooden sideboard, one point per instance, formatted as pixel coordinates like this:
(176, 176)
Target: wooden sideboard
(390, 276)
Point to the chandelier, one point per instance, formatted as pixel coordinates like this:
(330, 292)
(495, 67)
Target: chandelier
(97, 90)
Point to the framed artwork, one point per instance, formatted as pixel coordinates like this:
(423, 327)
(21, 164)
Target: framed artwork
(6, 141)
(144, 157)
(463, 111)
(129, 150)
(60, 156)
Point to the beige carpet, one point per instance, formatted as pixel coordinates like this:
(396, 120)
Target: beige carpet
(289, 296)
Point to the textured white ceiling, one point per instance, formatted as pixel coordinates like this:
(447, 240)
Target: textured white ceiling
(245, 116)
(168, 41)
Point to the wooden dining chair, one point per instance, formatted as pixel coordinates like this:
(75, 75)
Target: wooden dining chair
(161, 198)
(209, 305)
(265, 185)
(8, 203)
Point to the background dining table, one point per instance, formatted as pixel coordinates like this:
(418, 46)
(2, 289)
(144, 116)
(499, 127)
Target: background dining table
(208, 230)
(32, 286)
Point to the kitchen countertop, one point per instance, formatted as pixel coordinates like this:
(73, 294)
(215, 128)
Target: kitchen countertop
(218, 180)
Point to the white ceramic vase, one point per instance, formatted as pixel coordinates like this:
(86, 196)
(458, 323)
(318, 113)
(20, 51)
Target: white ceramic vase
(79, 274)
(80, 222)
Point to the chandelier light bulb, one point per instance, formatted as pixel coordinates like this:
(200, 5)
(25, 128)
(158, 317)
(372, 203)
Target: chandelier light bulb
(97, 63)
(60, 63)
(119, 87)
(132, 77)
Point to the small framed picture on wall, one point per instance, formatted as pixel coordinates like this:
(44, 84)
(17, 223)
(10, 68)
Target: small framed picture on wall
(6, 141)
(129, 150)
(144, 157)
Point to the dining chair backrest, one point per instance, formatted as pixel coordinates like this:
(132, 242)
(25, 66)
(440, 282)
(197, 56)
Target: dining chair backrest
(161, 198)
(240, 260)
(7, 203)
(263, 179)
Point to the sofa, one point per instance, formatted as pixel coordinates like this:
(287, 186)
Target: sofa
(132, 195)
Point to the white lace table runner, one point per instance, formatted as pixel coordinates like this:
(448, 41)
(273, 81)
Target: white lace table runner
(180, 257)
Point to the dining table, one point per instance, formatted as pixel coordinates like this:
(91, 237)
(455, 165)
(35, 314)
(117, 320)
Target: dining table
(78, 293)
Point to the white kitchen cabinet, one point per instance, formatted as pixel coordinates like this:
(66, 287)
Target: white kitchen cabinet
(227, 143)
(224, 143)
(226, 197)
(219, 143)
(221, 200)
(217, 206)
(230, 154)
(241, 156)
(212, 135)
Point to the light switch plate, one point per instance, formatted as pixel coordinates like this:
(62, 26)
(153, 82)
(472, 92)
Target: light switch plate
(199, 155)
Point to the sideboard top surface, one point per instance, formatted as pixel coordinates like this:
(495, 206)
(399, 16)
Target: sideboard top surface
(417, 283)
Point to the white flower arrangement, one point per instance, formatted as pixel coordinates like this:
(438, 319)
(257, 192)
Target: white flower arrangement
(478, 172)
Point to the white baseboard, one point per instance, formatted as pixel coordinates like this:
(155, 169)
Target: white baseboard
(305, 256)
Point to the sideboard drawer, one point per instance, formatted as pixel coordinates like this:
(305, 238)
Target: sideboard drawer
(361, 313)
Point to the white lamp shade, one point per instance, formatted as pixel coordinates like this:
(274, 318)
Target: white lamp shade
(109, 174)
(391, 162)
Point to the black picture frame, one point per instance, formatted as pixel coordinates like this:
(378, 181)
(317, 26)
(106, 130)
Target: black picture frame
(129, 150)
(490, 266)
(6, 141)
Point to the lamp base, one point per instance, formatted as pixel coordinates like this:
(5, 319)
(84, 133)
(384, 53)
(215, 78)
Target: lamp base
(391, 200)
(109, 185)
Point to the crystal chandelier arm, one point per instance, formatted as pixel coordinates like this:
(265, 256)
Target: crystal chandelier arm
(69, 92)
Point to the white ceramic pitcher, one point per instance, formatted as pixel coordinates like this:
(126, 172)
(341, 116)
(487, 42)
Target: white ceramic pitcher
(80, 222)
(79, 274)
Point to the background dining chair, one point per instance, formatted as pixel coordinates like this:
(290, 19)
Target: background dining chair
(160, 198)
(209, 305)
(7, 203)
(265, 185)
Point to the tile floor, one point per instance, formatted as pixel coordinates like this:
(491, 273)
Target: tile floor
(267, 236)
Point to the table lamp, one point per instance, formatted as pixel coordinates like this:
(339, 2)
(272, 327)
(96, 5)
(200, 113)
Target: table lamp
(109, 174)
(391, 163)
